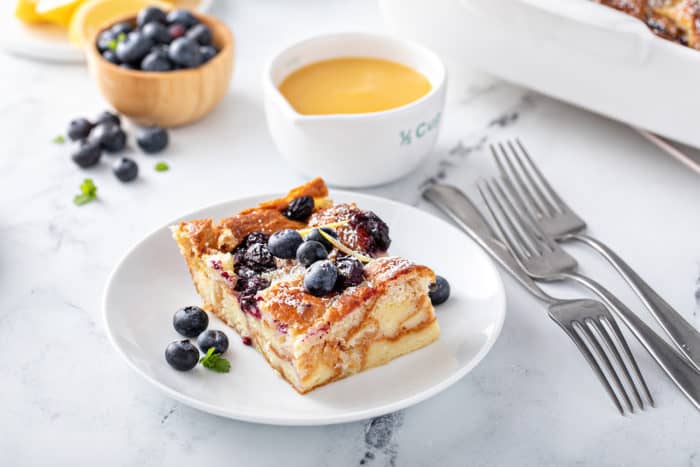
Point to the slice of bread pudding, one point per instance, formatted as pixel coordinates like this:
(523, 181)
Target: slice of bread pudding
(377, 309)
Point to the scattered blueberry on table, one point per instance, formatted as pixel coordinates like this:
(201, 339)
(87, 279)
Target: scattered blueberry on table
(152, 139)
(158, 42)
(125, 169)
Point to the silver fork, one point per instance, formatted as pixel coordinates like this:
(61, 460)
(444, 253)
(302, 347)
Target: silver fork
(556, 219)
(542, 258)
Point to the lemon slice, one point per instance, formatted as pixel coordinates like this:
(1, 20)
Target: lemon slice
(25, 11)
(93, 15)
(57, 11)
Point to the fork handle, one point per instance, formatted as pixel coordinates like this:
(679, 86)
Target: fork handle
(685, 377)
(681, 332)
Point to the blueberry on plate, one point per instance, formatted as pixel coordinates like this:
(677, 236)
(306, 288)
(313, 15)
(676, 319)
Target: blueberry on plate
(182, 355)
(104, 40)
(150, 14)
(110, 136)
(309, 252)
(176, 30)
(79, 129)
(284, 243)
(259, 258)
(156, 32)
(350, 272)
(111, 57)
(107, 116)
(201, 34)
(439, 291)
(152, 139)
(320, 278)
(190, 321)
(213, 338)
(183, 17)
(88, 154)
(184, 51)
(299, 209)
(316, 236)
(134, 47)
(123, 27)
(208, 52)
(125, 169)
(156, 61)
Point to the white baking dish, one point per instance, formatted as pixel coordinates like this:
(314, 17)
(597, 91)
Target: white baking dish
(575, 50)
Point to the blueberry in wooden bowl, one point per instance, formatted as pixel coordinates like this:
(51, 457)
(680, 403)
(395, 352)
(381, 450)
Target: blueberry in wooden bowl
(168, 70)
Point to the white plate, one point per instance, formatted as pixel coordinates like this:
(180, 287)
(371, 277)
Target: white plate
(152, 281)
(46, 42)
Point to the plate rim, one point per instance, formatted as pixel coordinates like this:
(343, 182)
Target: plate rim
(350, 416)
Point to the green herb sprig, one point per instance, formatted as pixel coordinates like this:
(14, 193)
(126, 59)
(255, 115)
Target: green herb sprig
(215, 362)
(88, 192)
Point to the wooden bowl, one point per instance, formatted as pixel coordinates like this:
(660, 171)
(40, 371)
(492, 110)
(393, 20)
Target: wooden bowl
(170, 98)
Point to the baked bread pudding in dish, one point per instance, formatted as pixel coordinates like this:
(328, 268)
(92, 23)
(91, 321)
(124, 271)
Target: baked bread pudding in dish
(310, 285)
(675, 20)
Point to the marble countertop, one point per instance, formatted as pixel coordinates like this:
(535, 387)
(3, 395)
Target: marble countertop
(68, 399)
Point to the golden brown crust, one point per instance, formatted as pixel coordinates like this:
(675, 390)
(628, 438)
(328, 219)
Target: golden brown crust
(206, 237)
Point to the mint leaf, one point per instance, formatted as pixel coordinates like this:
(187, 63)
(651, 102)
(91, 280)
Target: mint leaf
(215, 362)
(112, 45)
(162, 167)
(88, 192)
(58, 139)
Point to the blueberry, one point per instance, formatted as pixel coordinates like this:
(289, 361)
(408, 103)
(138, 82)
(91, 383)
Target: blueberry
(104, 40)
(208, 52)
(110, 136)
(350, 272)
(320, 278)
(317, 237)
(299, 209)
(156, 61)
(190, 321)
(125, 169)
(88, 154)
(79, 129)
(372, 232)
(182, 355)
(152, 139)
(259, 258)
(107, 116)
(310, 252)
(185, 52)
(150, 14)
(439, 291)
(200, 34)
(111, 57)
(176, 30)
(134, 47)
(182, 17)
(213, 338)
(123, 27)
(156, 32)
(284, 243)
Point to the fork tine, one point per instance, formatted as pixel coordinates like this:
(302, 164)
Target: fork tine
(533, 229)
(561, 205)
(612, 348)
(622, 343)
(518, 246)
(571, 332)
(548, 206)
(533, 208)
(601, 336)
